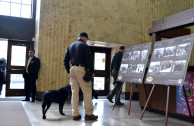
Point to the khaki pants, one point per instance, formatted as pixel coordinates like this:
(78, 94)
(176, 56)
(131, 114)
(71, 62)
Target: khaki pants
(76, 80)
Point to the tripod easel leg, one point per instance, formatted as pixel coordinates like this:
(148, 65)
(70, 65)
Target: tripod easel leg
(146, 96)
(187, 104)
(147, 101)
(131, 94)
(118, 96)
(167, 103)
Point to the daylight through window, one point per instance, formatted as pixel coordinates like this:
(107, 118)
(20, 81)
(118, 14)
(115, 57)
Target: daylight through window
(16, 8)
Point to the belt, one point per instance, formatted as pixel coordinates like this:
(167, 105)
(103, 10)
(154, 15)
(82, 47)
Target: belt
(80, 65)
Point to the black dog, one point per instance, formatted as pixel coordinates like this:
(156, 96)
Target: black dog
(59, 96)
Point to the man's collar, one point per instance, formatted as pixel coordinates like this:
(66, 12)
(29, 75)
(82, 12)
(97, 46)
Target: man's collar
(80, 40)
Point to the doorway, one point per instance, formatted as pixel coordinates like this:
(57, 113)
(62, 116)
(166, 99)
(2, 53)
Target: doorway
(17, 54)
(101, 58)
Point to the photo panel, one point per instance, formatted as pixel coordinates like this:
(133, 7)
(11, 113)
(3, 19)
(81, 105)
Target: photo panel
(169, 61)
(133, 63)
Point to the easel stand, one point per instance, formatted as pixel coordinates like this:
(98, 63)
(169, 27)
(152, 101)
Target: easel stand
(118, 96)
(131, 94)
(167, 103)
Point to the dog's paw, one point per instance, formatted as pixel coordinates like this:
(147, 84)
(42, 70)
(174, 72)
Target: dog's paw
(44, 117)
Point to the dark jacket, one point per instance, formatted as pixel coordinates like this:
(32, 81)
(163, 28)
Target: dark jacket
(116, 62)
(33, 68)
(79, 53)
(2, 70)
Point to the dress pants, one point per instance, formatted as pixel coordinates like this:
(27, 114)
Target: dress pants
(30, 87)
(76, 80)
(1, 86)
(117, 87)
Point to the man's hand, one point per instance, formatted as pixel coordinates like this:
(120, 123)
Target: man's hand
(93, 75)
(68, 75)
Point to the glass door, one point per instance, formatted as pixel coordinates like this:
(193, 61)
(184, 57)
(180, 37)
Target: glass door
(101, 58)
(17, 55)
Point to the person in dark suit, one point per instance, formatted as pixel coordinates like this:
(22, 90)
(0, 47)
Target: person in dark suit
(30, 75)
(2, 72)
(116, 63)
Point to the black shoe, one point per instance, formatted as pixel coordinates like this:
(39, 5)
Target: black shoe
(33, 101)
(77, 117)
(95, 96)
(110, 99)
(91, 117)
(119, 103)
(26, 100)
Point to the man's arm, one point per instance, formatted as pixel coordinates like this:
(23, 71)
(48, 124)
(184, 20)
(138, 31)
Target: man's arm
(67, 59)
(88, 59)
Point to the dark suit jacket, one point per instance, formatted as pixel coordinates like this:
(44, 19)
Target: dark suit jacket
(2, 70)
(33, 67)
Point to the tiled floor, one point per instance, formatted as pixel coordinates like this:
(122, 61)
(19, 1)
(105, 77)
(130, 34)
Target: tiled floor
(106, 116)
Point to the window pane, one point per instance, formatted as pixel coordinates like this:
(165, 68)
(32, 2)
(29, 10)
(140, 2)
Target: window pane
(16, 81)
(26, 11)
(6, 0)
(18, 55)
(99, 61)
(5, 8)
(99, 83)
(16, 1)
(15, 10)
(27, 2)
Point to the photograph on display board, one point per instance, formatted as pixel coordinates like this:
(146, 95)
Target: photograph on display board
(158, 53)
(179, 66)
(136, 55)
(144, 54)
(127, 56)
(133, 63)
(170, 60)
(166, 66)
(123, 68)
(154, 67)
(140, 68)
(131, 68)
(183, 49)
(169, 51)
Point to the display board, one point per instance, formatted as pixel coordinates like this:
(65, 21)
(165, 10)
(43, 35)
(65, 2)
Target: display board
(133, 63)
(169, 61)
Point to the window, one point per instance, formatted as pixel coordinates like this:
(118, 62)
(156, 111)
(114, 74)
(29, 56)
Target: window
(99, 61)
(18, 55)
(16, 8)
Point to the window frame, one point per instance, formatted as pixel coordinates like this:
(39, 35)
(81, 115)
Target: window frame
(11, 3)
